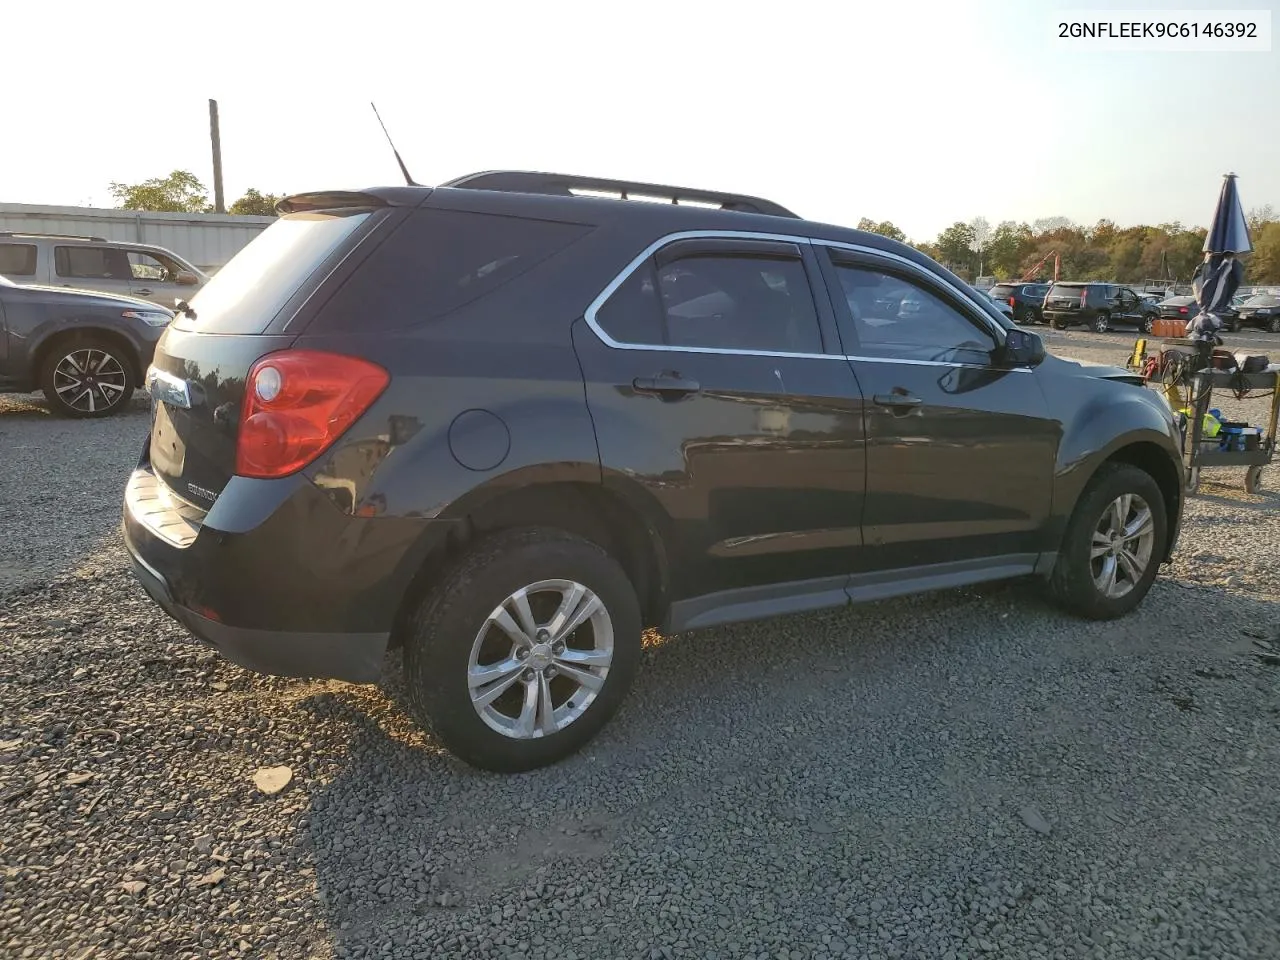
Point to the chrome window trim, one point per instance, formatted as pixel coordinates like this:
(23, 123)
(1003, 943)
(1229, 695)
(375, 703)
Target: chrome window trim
(590, 314)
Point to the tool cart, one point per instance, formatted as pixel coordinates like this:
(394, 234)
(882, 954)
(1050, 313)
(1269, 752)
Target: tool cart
(1188, 372)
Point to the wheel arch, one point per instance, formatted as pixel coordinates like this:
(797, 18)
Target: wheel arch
(601, 514)
(41, 350)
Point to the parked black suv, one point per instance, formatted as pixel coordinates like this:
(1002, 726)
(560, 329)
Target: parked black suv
(1026, 300)
(87, 351)
(510, 427)
(1101, 306)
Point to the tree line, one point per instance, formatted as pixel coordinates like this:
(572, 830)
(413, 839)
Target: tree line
(182, 192)
(1103, 251)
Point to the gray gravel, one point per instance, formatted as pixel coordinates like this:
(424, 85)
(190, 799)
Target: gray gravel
(962, 775)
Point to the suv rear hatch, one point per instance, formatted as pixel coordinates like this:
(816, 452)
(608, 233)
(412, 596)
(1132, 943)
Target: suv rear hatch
(1065, 297)
(198, 376)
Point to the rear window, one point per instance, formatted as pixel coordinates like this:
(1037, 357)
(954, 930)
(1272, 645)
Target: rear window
(1003, 290)
(17, 260)
(245, 295)
(1263, 300)
(1066, 290)
(438, 261)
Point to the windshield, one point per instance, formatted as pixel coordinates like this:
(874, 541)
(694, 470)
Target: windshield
(246, 294)
(1262, 300)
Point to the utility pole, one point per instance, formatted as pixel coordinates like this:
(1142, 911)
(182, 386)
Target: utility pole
(218, 204)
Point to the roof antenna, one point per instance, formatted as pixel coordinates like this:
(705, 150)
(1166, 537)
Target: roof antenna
(403, 169)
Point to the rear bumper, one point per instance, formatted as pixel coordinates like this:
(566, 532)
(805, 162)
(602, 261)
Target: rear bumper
(355, 657)
(275, 576)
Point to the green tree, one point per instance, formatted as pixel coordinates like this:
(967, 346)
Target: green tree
(179, 192)
(1263, 265)
(884, 228)
(255, 204)
(1009, 244)
(955, 246)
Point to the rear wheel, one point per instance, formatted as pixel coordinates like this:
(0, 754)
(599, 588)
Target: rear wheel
(525, 650)
(86, 377)
(1148, 324)
(1253, 480)
(1111, 552)
(1274, 325)
(1102, 322)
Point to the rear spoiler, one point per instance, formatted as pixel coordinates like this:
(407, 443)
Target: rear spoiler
(567, 185)
(328, 200)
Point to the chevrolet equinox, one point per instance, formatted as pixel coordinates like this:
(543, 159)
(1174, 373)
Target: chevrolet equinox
(508, 423)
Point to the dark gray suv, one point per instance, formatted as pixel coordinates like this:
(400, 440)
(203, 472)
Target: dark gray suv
(508, 427)
(1099, 306)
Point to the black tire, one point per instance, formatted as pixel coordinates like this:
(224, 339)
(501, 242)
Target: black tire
(1101, 322)
(445, 627)
(1037, 316)
(1059, 324)
(107, 387)
(1071, 584)
(1148, 322)
(1274, 325)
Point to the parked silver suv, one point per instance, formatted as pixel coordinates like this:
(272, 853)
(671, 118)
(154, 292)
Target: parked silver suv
(92, 263)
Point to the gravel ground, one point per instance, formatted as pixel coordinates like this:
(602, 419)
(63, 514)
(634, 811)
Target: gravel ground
(961, 775)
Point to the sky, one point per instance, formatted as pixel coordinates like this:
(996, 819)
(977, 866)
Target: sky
(919, 113)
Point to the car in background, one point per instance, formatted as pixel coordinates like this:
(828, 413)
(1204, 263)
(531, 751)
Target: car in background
(86, 351)
(1185, 308)
(1099, 306)
(139, 270)
(1025, 300)
(507, 428)
(1262, 310)
(1001, 305)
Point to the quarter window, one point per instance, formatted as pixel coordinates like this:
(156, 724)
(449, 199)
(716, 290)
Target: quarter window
(17, 260)
(719, 302)
(894, 317)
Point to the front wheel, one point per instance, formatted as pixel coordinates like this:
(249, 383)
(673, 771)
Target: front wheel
(1253, 480)
(1148, 324)
(86, 377)
(525, 650)
(1102, 322)
(1274, 325)
(1111, 551)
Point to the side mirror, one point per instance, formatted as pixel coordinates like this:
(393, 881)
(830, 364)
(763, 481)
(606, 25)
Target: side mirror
(186, 278)
(1022, 348)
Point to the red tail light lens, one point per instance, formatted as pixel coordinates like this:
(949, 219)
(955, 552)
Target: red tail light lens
(1013, 302)
(1084, 296)
(1183, 310)
(296, 404)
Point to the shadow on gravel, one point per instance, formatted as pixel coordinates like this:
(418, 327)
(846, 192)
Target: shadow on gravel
(405, 837)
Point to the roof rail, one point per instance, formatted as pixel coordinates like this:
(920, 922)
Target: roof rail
(568, 185)
(50, 236)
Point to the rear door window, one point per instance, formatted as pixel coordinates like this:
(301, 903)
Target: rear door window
(437, 261)
(92, 263)
(742, 300)
(17, 260)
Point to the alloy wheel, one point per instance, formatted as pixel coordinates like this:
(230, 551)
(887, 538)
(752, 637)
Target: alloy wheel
(90, 380)
(540, 659)
(1123, 542)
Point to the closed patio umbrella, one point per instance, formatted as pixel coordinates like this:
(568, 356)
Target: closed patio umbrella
(1219, 275)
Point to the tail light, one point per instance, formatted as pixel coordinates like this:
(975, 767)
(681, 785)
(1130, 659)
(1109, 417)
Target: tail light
(1012, 302)
(297, 403)
(1183, 310)
(1084, 296)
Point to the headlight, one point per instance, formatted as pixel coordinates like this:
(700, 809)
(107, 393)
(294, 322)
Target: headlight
(149, 317)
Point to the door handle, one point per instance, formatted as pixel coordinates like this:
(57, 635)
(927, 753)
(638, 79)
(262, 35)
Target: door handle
(896, 400)
(144, 292)
(668, 386)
